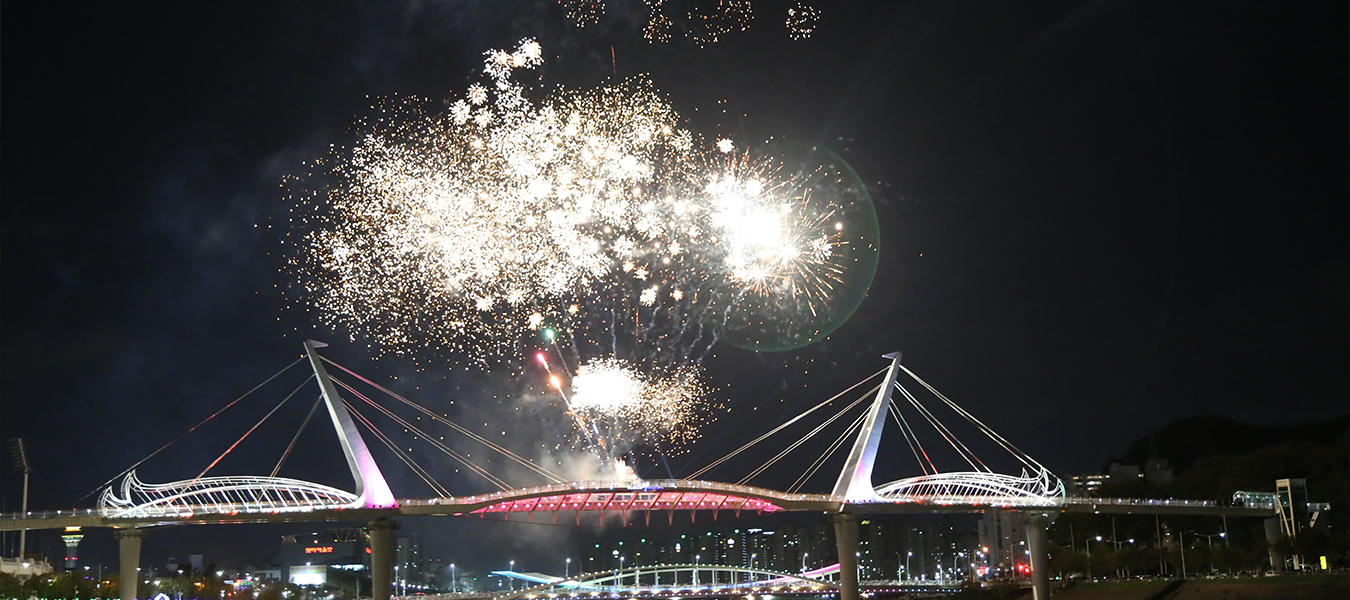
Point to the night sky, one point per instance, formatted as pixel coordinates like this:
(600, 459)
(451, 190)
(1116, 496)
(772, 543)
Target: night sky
(1096, 217)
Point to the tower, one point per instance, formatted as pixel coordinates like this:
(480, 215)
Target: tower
(72, 538)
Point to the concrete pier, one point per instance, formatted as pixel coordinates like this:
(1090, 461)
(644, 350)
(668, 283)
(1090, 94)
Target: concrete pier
(846, 539)
(1040, 556)
(381, 533)
(129, 557)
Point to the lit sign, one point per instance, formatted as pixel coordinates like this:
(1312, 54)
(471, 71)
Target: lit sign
(319, 550)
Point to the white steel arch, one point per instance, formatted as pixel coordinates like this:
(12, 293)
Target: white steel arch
(219, 495)
(261, 494)
(976, 488)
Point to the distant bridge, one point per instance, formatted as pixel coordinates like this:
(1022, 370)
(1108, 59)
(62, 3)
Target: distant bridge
(703, 580)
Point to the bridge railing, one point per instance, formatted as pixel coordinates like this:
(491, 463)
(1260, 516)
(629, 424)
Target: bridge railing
(1143, 502)
(51, 514)
(1166, 502)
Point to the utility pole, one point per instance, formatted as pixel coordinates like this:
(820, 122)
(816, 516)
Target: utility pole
(1182, 537)
(1157, 525)
(20, 456)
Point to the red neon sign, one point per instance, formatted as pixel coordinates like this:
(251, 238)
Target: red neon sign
(319, 550)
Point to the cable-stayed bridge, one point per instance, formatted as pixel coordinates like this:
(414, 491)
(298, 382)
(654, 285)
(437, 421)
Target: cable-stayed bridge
(133, 507)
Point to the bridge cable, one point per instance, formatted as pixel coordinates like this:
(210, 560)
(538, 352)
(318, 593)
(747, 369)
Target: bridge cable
(904, 429)
(712, 465)
(297, 436)
(1014, 450)
(820, 460)
(829, 451)
(407, 460)
(190, 430)
(251, 430)
(463, 460)
(474, 436)
(942, 430)
(431, 440)
(806, 437)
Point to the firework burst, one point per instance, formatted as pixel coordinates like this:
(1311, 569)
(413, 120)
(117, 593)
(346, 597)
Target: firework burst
(704, 23)
(622, 405)
(589, 215)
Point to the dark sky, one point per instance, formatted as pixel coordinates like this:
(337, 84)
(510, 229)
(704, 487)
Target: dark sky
(1096, 217)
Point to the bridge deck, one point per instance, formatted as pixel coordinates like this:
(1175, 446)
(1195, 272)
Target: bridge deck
(616, 497)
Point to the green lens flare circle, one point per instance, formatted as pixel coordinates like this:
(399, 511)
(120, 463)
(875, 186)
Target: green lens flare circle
(831, 244)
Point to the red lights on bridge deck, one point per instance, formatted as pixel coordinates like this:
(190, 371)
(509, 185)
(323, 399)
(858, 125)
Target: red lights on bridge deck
(625, 501)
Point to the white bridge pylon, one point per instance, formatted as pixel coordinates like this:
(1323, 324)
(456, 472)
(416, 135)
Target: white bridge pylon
(249, 494)
(1036, 486)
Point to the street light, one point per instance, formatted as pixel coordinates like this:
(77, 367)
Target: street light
(1114, 542)
(804, 556)
(1209, 538)
(454, 582)
(1087, 547)
(907, 557)
(513, 579)
(567, 568)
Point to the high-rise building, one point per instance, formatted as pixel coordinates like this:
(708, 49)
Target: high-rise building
(408, 572)
(1003, 543)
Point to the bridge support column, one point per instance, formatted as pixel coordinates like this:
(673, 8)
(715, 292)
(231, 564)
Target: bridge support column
(846, 540)
(381, 533)
(129, 555)
(1040, 555)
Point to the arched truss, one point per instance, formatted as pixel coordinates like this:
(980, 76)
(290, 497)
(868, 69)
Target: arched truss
(692, 579)
(626, 498)
(220, 495)
(976, 488)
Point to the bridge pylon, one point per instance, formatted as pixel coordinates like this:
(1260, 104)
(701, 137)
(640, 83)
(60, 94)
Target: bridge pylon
(372, 491)
(855, 481)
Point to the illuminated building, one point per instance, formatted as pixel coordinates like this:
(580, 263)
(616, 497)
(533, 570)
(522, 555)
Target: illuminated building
(72, 538)
(306, 558)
